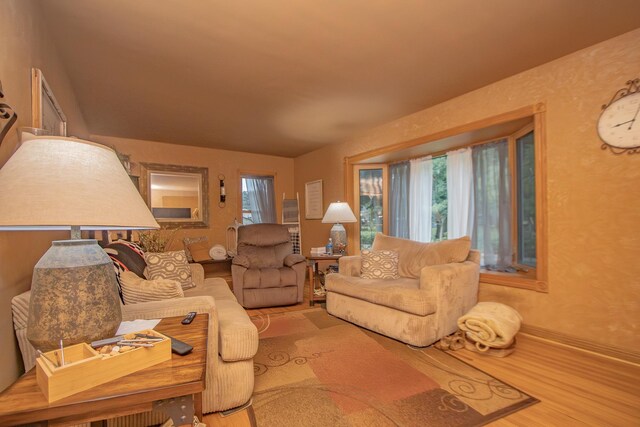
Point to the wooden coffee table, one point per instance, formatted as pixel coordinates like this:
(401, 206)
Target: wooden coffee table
(23, 402)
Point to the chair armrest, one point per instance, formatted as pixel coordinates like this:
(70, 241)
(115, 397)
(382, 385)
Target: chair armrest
(466, 275)
(241, 260)
(350, 265)
(454, 288)
(293, 259)
(197, 273)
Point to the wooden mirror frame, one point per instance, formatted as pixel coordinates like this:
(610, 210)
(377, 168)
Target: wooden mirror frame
(146, 169)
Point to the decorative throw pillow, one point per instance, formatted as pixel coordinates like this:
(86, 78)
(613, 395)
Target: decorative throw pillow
(195, 244)
(379, 265)
(127, 254)
(136, 290)
(169, 265)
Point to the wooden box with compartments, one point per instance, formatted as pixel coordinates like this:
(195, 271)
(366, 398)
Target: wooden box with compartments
(85, 367)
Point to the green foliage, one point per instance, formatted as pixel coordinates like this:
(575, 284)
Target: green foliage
(440, 205)
(156, 240)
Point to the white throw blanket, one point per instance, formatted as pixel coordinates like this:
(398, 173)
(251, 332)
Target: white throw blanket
(218, 252)
(491, 324)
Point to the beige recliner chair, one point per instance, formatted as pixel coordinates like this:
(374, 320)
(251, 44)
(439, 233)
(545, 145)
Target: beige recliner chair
(265, 271)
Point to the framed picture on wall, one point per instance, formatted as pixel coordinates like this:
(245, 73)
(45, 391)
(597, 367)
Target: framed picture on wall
(46, 112)
(313, 200)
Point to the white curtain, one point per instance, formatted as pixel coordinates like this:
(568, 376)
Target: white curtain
(492, 199)
(420, 200)
(459, 193)
(261, 199)
(399, 200)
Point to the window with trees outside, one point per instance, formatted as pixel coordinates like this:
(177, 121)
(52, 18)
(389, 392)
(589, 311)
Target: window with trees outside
(486, 190)
(258, 199)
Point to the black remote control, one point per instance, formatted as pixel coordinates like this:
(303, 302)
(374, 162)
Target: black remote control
(179, 347)
(189, 318)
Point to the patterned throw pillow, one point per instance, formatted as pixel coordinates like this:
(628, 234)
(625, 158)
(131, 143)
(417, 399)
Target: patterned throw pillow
(379, 265)
(136, 290)
(169, 265)
(126, 256)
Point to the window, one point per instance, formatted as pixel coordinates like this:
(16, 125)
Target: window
(258, 199)
(489, 188)
(526, 200)
(370, 205)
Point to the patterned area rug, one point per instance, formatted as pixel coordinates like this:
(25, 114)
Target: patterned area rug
(313, 369)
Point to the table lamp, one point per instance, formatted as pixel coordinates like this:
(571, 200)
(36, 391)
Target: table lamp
(57, 183)
(338, 213)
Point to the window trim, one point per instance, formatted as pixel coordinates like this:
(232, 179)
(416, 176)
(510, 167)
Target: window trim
(533, 280)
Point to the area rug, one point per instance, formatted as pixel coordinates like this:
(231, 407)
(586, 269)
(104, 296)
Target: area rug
(313, 369)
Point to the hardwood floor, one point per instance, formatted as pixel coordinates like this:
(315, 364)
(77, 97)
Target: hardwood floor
(575, 387)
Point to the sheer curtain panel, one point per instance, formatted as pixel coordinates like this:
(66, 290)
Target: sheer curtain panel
(460, 193)
(492, 197)
(261, 197)
(399, 200)
(420, 200)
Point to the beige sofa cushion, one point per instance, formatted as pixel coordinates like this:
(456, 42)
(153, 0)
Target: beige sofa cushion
(412, 255)
(401, 294)
(215, 287)
(136, 289)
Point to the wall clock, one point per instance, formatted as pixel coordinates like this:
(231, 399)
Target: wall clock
(619, 122)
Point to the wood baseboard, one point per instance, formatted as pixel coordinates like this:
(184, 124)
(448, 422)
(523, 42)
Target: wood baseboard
(606, 350)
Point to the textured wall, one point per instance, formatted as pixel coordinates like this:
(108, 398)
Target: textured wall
(223, 162)
(593, 203)
(24, 43)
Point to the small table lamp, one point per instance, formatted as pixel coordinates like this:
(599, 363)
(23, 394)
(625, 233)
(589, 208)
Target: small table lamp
(337, 213)
(57, 183)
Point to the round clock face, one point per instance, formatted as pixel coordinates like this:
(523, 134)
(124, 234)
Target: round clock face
(619, 123)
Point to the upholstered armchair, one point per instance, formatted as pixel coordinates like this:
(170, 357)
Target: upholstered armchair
(436, 284)
(265, 271)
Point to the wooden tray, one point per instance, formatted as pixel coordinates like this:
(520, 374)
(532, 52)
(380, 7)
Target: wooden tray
(85, 368)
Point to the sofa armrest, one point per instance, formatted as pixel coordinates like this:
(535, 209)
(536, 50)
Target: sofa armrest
(454, 287)
(197, 273)
(350, 265)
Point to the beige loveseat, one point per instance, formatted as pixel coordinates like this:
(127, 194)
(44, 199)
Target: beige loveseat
(438, 283)
(232, 343)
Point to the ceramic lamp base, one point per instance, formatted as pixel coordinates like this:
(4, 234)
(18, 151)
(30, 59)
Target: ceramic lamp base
(74, 296)
(339, 237)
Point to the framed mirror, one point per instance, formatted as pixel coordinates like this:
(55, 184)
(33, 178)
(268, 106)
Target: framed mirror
(176, 195)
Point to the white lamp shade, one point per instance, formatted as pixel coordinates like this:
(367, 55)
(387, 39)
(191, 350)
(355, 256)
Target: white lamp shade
(339, 212)
(54, 183)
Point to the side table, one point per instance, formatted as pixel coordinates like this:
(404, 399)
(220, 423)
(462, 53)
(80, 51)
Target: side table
(159, 385)
(312, 262)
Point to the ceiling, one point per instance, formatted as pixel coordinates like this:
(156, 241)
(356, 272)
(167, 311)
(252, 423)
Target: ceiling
(287, 77)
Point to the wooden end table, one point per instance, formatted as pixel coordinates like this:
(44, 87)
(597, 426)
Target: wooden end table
(314, 278)
(182, 376)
